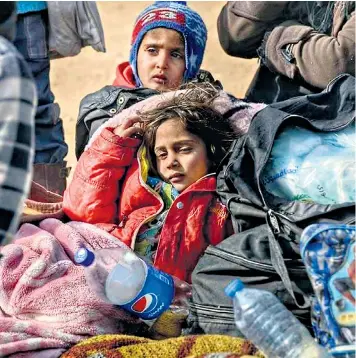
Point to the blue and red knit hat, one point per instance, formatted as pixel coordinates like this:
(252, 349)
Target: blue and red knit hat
(175, 15)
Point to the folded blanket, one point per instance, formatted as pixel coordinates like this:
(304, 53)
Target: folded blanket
(120, 346)
(239, 112)
(45, 301)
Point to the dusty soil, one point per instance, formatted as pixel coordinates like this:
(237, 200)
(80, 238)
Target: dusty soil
(73, 78)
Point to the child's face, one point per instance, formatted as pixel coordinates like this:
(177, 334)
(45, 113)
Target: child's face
(161, 60)
(181, 157)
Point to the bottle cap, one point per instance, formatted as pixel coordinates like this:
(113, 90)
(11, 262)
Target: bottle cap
(84, 257)
(233, 287)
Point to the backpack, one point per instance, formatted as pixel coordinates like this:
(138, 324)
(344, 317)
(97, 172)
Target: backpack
(264, 249)
(270, 87)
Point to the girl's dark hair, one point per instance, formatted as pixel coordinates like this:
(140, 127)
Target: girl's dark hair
(194, 109)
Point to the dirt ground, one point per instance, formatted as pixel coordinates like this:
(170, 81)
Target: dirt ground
(73, 78)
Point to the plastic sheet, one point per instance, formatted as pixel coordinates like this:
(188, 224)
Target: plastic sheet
(312, 166)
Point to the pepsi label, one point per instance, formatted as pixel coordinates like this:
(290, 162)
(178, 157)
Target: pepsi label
(155, 297)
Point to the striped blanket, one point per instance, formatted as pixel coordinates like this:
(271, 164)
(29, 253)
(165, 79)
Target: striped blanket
(202, 346)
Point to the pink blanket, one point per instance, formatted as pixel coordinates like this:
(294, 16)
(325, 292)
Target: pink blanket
(44, 299)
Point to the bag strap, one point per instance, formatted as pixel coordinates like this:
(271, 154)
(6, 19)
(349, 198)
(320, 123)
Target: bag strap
(277, 257)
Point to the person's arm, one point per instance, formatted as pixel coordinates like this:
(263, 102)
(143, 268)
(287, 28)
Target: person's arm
(298, 51)
(94, 190)
(242, 25)
(18, 101)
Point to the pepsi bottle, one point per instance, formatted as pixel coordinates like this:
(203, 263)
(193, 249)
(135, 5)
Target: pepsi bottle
(120, 277)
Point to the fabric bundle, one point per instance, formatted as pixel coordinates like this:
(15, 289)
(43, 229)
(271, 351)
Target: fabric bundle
(45, 301)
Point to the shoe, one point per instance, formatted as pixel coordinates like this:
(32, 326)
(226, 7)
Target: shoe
(52, 176)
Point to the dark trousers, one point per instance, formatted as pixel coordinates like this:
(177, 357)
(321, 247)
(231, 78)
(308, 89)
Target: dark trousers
(31, 41)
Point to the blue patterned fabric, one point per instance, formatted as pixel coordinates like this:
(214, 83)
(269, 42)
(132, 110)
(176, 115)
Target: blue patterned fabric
(148, 237)
(24, 7)
(328, 252)
(178, 16)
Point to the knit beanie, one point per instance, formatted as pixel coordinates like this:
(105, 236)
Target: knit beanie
(175, 15)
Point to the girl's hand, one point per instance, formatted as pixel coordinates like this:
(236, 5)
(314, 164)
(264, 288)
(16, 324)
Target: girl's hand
(182, 293)
(130, 127)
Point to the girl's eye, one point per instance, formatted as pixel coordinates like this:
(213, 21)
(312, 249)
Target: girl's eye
(185, 149)
(161, 156)
(151, 50)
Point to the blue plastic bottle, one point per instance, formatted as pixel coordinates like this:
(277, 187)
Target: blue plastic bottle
(266, 322)
(120, 277)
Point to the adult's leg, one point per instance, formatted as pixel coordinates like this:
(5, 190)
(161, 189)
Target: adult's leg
(49, 165)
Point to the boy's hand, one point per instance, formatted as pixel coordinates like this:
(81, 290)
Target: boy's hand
(130, 127)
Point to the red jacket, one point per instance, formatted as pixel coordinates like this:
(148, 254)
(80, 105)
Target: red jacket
(108, 188)
(124, 76)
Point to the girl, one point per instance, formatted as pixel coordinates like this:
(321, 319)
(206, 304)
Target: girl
(160, 200)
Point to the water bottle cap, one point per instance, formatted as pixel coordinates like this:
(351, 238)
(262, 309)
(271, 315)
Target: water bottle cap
(84, 257)
(233, 287)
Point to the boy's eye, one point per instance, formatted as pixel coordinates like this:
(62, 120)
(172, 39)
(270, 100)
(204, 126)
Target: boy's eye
(177, 54)
(151, 49)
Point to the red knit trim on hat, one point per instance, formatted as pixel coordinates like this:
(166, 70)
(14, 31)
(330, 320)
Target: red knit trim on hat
(158, 15)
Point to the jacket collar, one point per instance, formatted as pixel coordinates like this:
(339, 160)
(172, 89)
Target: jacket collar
(206, 183)
(124, 76)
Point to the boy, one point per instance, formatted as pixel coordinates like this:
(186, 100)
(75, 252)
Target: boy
(168, 41)
(167, 48)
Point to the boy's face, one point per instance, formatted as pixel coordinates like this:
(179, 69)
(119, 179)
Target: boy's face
(181, 157)
(161, 60)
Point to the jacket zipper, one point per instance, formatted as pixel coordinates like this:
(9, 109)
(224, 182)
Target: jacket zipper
(333, 81)
(272, 218)
(350, 221)
(159, 241)
(215, 251)
(147, 187)
(213, 312)
(227, 313)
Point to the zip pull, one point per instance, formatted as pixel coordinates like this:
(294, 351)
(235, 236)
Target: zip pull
(123, 221)
(274, 222)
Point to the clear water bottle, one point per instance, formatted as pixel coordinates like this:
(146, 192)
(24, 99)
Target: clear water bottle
(266, 322)
(121, 278)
